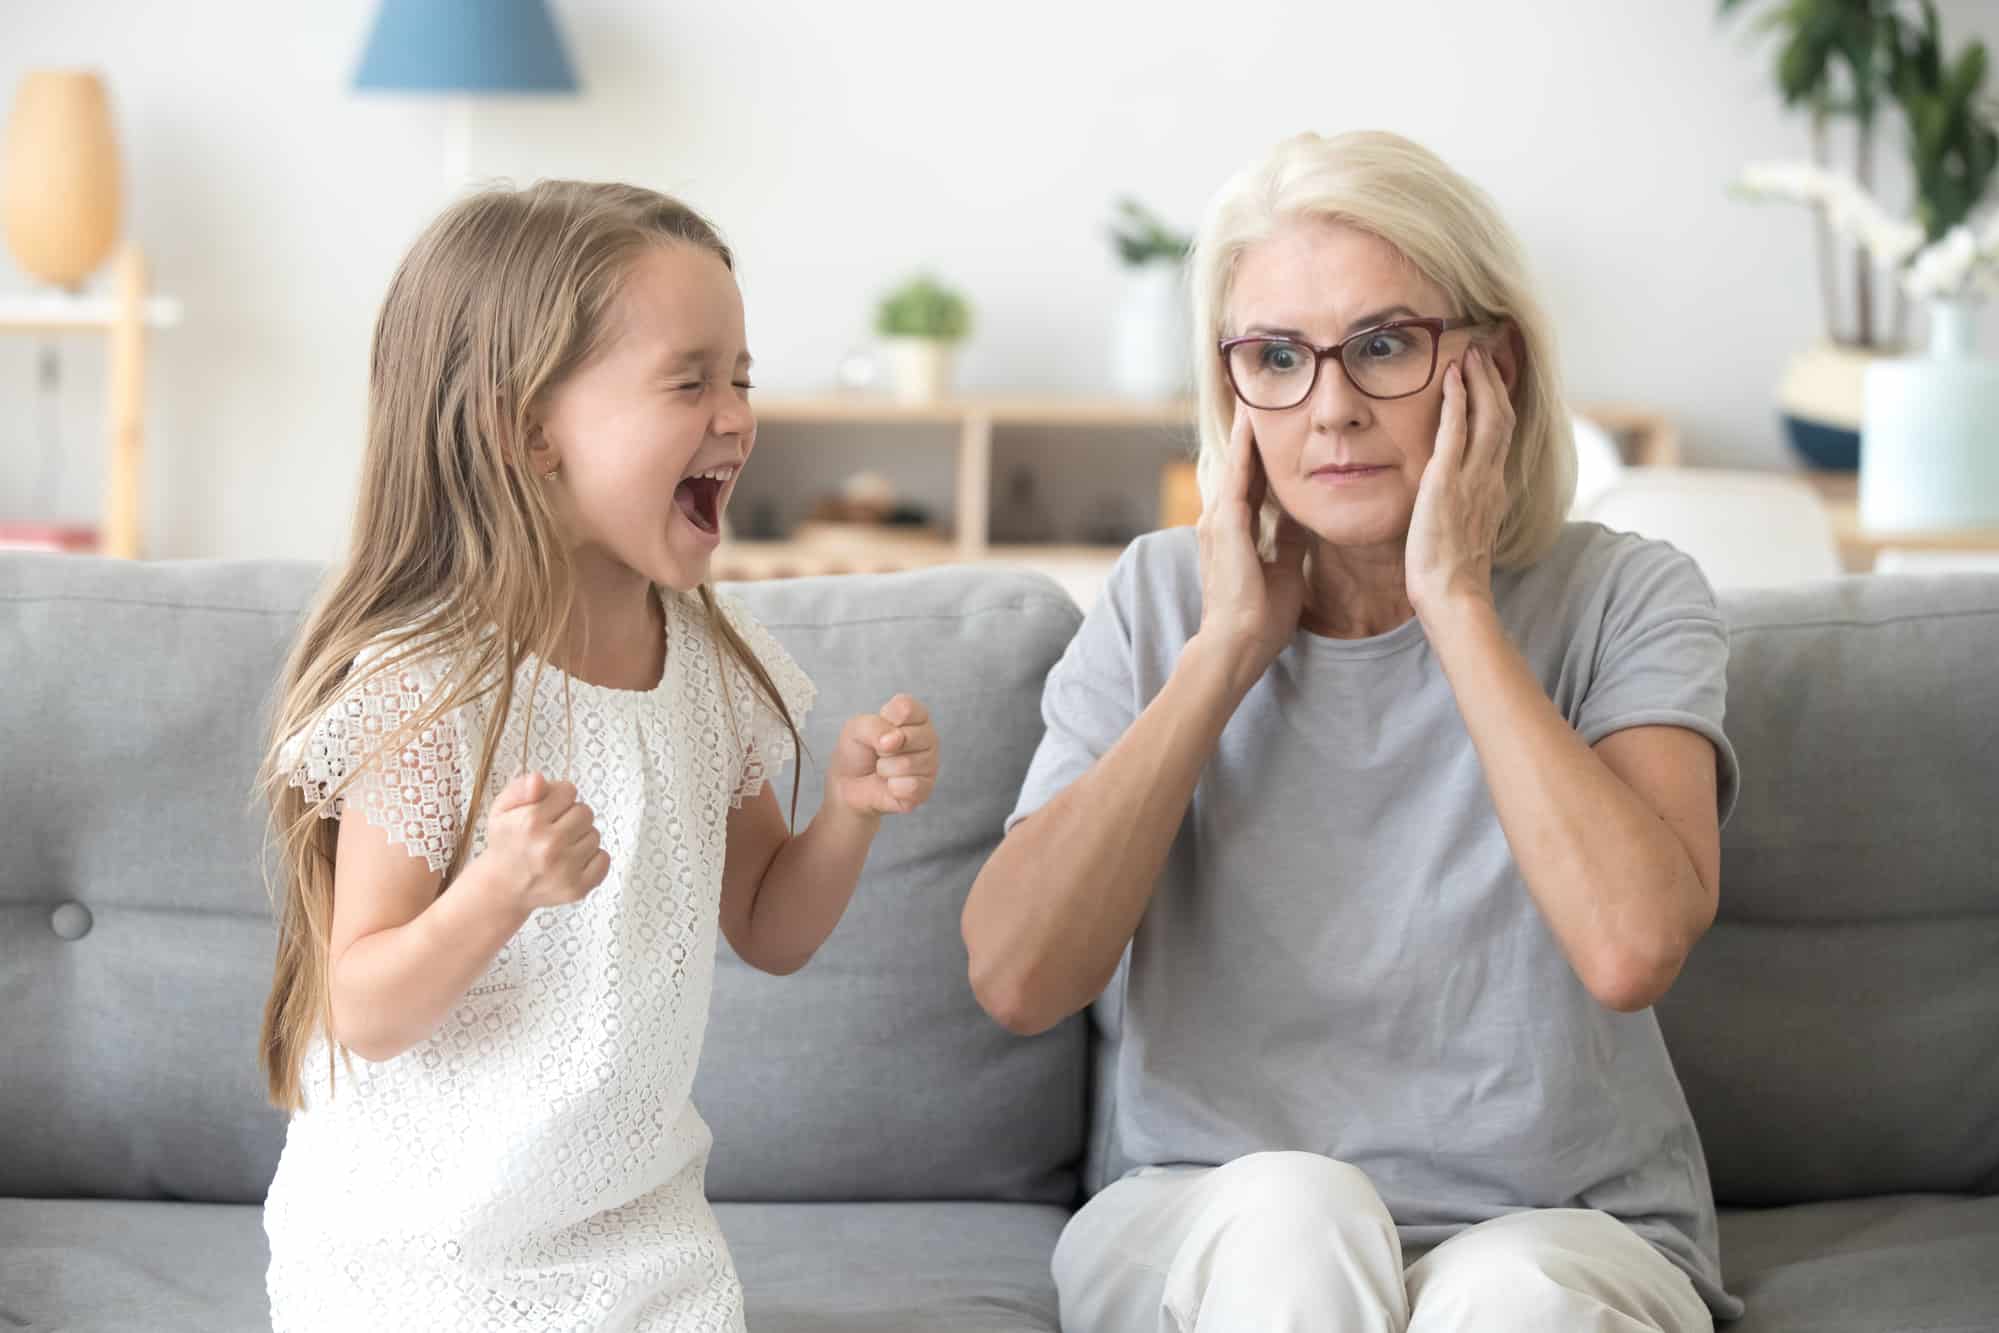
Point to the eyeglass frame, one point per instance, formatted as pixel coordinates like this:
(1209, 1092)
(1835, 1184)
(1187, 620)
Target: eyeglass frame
(1437, 329)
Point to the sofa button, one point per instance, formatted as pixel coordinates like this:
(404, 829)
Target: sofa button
(72, 921)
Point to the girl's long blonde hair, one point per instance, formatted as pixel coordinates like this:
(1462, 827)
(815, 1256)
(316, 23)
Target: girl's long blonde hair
(1453, 234)
(501, 297)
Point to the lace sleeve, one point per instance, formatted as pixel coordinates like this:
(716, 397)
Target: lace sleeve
(412, 791)
(767, 744)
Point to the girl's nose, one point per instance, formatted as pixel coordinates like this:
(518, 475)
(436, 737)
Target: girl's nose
(736, 418)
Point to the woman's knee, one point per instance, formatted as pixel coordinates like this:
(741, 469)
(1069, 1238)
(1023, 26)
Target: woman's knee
(1557, 1267)
(1298, 1188)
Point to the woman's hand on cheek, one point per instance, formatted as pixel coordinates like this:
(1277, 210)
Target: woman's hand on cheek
(885, 763)
(1248, 607)
(1462, 498)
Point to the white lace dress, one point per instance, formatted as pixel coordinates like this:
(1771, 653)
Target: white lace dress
(537, 1163)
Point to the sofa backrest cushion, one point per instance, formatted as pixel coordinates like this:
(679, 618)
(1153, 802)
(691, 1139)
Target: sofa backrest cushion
(1837, 1032)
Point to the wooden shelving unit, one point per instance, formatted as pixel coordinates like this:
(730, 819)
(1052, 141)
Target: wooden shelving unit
(975, 418)
(124, 318)
(1646, 438)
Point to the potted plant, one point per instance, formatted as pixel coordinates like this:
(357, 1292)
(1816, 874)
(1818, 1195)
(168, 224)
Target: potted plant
(922, 323)
(1926, 458)
(1923, 453)
(1149, 337)
(1831, 58)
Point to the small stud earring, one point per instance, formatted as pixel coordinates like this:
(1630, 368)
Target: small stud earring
(550, 474)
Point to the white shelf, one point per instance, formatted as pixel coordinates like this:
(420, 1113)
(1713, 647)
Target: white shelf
(60, 314)
(999, 409)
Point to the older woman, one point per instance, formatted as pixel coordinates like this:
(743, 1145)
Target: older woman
(1374, 814)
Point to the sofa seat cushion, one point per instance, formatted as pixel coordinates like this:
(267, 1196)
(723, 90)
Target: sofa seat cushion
(1924, 1263)
(895, 1267)
(97, 1266)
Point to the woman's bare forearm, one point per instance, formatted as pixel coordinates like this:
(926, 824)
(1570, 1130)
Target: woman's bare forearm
(1051, 913)
(1614, 883)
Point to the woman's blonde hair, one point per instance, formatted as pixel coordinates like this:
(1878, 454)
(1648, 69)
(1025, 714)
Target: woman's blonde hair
(1450, 231)
(502, 296)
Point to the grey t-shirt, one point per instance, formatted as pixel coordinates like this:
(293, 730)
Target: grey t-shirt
(1341, 956)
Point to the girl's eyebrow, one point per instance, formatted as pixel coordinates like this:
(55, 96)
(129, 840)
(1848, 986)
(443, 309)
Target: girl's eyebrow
(673, 360)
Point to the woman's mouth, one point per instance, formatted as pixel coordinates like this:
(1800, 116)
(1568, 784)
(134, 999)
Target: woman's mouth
(1347, 474)
(699, 498)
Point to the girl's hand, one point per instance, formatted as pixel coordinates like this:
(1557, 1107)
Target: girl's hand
(543, 843)
(885, 763)
(1461, 500)
(1248, 608)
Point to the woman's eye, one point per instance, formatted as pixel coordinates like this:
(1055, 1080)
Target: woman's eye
(1384, 345)
(1280, 357)
(745, 385)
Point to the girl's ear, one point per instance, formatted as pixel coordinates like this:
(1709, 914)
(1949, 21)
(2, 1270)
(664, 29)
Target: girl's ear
(542, 456)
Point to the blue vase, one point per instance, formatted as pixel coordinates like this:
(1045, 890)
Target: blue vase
(1930, 442)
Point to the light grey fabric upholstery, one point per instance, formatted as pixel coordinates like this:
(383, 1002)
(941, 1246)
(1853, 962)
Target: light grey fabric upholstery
(1837, 1032)
(873, 1073)
(113, 1267)
(895, 1267)
(129, 741)
(1920, 1263)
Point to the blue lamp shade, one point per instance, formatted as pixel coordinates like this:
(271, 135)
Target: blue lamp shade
(465, 46)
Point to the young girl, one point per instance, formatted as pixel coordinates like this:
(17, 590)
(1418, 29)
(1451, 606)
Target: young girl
(491, 987)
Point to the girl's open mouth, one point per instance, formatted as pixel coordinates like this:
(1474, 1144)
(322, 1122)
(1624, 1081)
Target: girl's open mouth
(700, 498)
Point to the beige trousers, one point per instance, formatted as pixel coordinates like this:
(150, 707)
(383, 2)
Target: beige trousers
(1291, 1242)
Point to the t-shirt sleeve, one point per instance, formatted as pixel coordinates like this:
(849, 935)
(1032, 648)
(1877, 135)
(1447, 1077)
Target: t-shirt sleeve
(1089, 699)
(767, 745)
(408, 782)
(1662, 658)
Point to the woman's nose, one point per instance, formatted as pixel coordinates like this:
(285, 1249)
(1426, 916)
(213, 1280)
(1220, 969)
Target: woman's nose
(1335, 403)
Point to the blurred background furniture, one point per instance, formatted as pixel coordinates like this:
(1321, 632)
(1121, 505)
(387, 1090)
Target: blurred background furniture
(124, 318)
(1861, 549)
(1156, 438)
(1744, 529)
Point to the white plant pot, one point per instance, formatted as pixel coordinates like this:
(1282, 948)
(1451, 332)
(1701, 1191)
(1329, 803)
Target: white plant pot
(1929, 449)
(1149, 334)
(920, 368)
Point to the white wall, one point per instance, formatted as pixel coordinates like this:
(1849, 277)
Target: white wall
(841, 145)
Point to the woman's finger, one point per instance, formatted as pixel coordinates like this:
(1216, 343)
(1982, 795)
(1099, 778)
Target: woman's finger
(1451, 425)
(1242, 448)
(1259, 489)
(1493, 427)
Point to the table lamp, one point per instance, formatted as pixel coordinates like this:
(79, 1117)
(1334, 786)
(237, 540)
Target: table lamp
(462, 49)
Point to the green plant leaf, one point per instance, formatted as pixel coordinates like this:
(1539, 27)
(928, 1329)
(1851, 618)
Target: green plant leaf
(1969, 74)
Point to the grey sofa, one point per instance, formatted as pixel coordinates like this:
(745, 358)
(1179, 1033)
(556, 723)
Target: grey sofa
(890, 1159)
